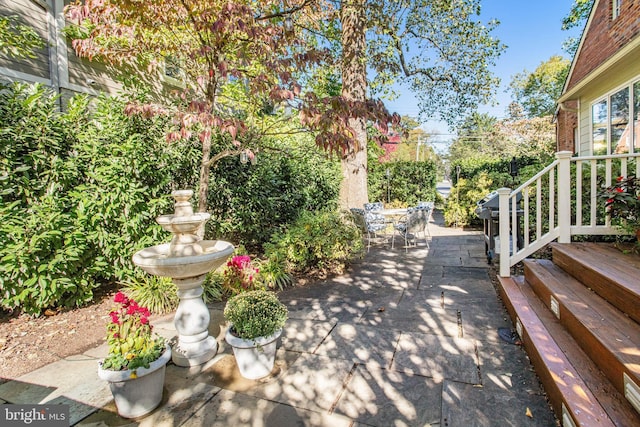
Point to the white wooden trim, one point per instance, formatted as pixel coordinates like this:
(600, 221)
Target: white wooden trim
(14, 75)
(53, 45)
(559, 171)
(62, 59)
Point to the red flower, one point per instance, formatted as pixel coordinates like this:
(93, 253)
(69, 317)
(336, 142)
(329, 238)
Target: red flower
(114, 317)
(120, 297)
(144, 320)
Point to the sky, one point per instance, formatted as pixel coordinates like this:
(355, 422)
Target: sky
(532, 32)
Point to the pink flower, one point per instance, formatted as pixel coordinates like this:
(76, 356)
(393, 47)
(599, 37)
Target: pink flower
(120, 297)
(114, 317)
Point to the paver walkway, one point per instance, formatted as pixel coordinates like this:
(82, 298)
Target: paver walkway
(403, 339)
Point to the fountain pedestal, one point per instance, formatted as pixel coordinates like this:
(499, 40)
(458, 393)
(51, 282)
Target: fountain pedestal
(195, 346)
(187, 260)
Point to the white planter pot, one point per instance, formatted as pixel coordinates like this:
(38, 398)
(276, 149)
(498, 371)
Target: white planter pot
(255, 358)
(136, 397)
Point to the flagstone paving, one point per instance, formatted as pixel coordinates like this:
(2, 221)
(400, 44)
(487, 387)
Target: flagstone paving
(403, 339)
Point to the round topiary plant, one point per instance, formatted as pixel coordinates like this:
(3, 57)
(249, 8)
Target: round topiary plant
(255, 314)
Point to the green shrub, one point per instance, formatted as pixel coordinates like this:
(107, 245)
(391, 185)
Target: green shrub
(255, 314)
(249, 202)
(80, 191)
(322, 242)
(461, 203)
(407, 182)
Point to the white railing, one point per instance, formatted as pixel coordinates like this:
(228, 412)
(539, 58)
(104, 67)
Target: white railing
(548, 211)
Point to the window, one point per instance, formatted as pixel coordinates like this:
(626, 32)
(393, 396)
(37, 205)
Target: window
(619, 122)
(173, 72)
(615, 122)
(599, 128)
(615, 8)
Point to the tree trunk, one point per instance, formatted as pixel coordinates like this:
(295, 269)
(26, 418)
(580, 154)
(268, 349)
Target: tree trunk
(203, 187)
(353, 189)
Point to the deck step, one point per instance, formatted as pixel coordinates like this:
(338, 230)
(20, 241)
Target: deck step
(613, 275)
(570, 396)
(609, 337)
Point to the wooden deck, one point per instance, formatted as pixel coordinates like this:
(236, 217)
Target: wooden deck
(578, 317)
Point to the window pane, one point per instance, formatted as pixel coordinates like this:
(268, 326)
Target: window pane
(620, 132)
(636, 116)
(599, 126)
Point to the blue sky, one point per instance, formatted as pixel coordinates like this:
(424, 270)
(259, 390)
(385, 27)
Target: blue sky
(532, 32)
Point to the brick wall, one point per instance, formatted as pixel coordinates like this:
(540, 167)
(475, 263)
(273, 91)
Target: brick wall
(566, 123)
(606, 36)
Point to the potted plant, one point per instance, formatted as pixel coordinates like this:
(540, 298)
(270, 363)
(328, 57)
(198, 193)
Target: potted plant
(135, 365)
(622, 203)
(256, 318)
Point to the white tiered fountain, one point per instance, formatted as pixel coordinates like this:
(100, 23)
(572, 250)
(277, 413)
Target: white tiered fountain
(187, 259)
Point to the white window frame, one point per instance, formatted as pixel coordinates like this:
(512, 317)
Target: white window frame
(607, 98)
(615, 8)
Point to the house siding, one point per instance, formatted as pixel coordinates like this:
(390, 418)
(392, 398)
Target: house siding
(605, 36)
(33, 14)
(57, 65)
(607, 60)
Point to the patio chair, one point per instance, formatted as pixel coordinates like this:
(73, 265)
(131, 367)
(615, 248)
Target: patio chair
(409, 227)
(369, 222)
(428, 209)
(374, 206)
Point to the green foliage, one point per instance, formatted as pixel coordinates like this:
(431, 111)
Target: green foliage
(212, 286)
(461, 203)
(255, 314)
(250, 202)
(80, 193)
(577, 17)
(407, 182)
(322, 242)
(46, 257)
(453, 52)
(622, 202)
(538, 91)
(158, 294)
(273, 273)
(131, 342)
(17, 40)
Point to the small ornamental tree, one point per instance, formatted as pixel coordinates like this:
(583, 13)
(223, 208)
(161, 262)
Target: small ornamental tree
(236, 56)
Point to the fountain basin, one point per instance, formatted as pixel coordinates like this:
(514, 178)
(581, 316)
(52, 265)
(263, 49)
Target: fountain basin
(156, 260)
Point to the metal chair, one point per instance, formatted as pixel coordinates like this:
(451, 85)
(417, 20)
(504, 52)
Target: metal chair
(374, 206)
(428, 208)
(369, 222)
(409, 227)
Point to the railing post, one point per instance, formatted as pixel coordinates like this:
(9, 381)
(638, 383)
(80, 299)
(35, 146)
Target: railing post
(564, 196)
(505, 247)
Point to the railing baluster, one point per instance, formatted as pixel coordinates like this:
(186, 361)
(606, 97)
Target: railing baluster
(552, 198)
(593, 195)
(525, 216)
(579, 193)
(538, 208)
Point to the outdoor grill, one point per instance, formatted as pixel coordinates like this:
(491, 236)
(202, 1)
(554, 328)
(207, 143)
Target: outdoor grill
(488, 210)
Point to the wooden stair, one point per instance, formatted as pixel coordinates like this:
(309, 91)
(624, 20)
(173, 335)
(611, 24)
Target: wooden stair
(579, 320)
